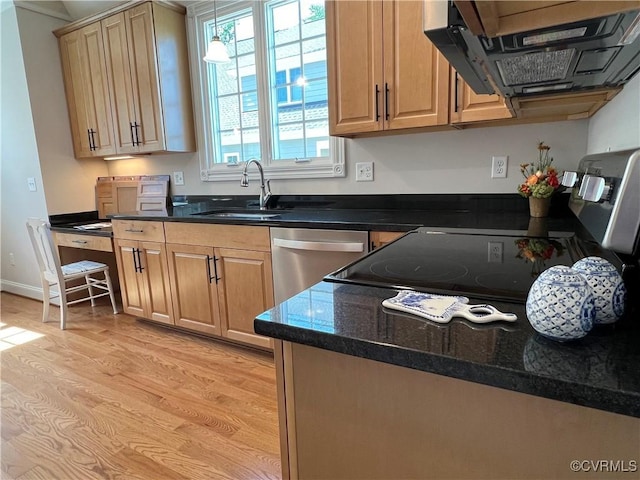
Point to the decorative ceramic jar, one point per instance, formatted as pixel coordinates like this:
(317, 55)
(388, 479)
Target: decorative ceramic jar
(560, 304)
(606, 285)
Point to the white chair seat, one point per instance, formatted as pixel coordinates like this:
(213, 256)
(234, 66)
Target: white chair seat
(53, 273)
(81, 268)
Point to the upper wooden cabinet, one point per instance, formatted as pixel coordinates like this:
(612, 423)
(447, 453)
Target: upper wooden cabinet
(145, 73)
(467, 106)
(498, 17)
(86, 87)
(383, 72)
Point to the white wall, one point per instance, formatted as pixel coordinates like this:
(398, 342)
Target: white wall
(18, 160)
(440, 162)
(617, 125)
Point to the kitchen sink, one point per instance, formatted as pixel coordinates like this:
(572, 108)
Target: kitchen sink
(239, 214)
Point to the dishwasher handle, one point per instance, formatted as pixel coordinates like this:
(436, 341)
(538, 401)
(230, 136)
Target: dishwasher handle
(319, 246)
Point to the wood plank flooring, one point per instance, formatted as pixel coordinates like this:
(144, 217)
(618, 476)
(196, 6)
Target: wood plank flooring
(112, 397)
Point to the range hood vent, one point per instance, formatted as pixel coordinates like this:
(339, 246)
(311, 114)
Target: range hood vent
(596, 53)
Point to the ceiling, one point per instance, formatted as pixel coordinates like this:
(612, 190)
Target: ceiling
(72, 10)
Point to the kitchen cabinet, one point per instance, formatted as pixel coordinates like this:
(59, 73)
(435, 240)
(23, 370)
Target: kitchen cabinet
(467, 106)
(221, 278)
(383, 73)
(145, 75)
(86, 88)
(142, 269)
(378, 239)
(496, 18)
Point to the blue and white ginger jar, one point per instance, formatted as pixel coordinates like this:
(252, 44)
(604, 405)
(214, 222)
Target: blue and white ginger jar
(560, 304)
(607, 287)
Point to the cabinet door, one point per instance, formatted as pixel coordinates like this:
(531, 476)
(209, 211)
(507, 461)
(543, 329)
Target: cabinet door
(131, 283)
(416, 75)
(354, 66)
(144, 77)
(85, 79)
(192, 271)
(468, 106)
(155, 276)
(245, 290)
(119, 74)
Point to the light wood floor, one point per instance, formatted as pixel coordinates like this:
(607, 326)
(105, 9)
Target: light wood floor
(113, 397)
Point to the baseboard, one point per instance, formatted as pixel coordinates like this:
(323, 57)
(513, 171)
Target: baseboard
(25, 291)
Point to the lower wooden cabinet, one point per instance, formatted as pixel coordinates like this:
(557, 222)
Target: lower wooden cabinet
(193, 287)
(212, 279)
(144, 279)
(245, 289)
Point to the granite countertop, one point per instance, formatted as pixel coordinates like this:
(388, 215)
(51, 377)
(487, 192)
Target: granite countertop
(80, 223)
(507, 213)
(599, 371)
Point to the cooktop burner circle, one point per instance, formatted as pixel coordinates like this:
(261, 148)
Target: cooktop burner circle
(418, 268)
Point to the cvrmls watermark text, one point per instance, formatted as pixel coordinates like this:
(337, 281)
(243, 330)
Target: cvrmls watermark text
(601, 466)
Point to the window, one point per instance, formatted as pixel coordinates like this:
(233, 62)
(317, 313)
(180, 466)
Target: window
(270, 100)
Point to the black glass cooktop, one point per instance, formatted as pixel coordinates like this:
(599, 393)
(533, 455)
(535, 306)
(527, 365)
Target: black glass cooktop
(485, 266)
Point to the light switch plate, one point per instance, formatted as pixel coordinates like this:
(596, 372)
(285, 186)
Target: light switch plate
(31, 183)
(178, 178)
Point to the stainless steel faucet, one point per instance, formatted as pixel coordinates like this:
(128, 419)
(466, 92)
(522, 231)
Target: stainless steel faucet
(265, 188)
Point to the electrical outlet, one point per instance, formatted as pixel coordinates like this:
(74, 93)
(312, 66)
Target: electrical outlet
(495, 250)
(499, 167)
(12, 259)
(364, 172)
(178, 178)
(31, 183)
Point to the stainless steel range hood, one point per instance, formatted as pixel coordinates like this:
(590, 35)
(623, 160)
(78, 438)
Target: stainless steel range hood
(578, 56)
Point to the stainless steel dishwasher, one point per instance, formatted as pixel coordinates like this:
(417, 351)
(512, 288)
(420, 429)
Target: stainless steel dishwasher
(302, 256)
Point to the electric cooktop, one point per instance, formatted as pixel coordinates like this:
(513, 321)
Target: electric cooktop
(484, 266)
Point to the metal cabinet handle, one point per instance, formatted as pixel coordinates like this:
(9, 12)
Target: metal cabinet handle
(135, 260)
(81, 242)
(377, 102)
(133, 140)
(136, 125)
(319, 246)
(215, 269)
(140, 267)
(133, 230)
(92, 140)
(455, 94)
(386, 101)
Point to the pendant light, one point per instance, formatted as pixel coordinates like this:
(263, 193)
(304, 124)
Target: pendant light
(216, 51)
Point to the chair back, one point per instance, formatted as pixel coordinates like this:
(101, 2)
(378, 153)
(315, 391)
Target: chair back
(46, 253)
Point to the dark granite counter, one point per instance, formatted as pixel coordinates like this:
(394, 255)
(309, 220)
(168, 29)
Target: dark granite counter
(80, 223)
(477, 213)
(601, 371)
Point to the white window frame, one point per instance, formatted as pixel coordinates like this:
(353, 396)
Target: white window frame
(199, 14)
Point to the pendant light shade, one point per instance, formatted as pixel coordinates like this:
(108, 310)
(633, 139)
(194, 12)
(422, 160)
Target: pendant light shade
(216, 51)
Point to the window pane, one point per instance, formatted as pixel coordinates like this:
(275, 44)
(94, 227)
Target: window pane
(286, 23)
(251, 144)
(233, 88)
(299, 84)
(312, 13)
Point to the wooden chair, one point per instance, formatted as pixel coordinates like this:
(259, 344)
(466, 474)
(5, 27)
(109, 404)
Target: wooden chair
(53, 273)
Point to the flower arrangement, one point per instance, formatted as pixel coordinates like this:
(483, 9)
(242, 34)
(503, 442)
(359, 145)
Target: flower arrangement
(541, 177)
(537, 251)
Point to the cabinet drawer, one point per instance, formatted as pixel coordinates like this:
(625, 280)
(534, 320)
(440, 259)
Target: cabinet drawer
(244, 237)
(138, 230)
(88, 242)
